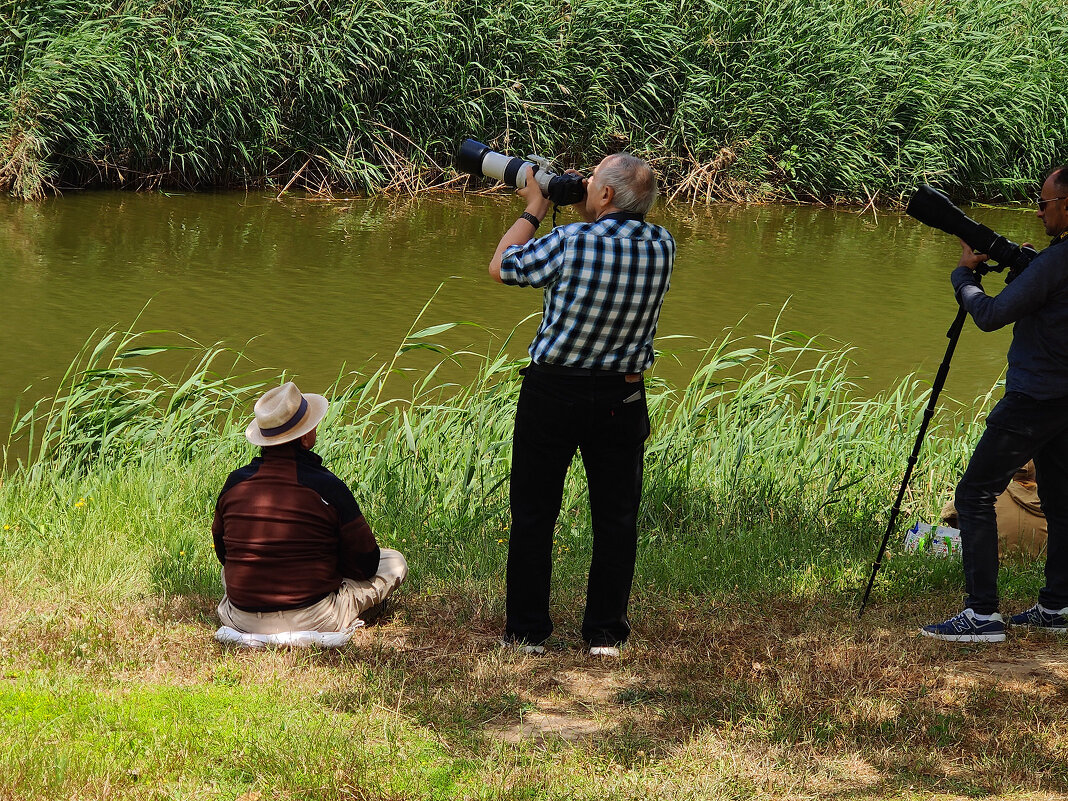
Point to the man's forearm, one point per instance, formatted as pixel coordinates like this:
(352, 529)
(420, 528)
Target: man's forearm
(992, 313)
(521, 232)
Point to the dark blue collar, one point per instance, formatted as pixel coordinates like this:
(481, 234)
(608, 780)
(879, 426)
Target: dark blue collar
(622, 216)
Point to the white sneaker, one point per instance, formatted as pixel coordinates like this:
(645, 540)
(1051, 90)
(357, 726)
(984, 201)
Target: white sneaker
(605, 650)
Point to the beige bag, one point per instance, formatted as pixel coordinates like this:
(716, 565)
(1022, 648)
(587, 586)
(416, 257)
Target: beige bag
(1021, 524)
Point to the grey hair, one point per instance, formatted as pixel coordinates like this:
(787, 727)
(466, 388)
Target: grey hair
(633, 182)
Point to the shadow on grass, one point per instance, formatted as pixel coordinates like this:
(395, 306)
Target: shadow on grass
(791, 689)
(738, 699)
(762, 690)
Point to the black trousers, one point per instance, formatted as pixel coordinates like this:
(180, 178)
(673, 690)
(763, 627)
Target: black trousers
(1018, 429)
(605, 417)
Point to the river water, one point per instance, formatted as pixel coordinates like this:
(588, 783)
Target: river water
(309, 286)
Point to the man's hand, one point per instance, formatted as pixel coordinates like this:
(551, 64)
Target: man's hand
(537, 203)
(970, 258)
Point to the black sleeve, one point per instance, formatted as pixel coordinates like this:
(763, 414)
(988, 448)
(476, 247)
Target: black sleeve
(1027, 293)
(358, 552)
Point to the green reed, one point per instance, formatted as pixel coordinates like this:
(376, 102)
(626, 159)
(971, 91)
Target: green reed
(768, 457)
(851, 100)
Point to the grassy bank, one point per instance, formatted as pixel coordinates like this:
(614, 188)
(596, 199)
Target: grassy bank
(748, 676)
(769, 444)
(848, 100)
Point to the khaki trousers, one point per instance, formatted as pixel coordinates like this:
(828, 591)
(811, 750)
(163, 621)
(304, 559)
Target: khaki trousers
(336, 612)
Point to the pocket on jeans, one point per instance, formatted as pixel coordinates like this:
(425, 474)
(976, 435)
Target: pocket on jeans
(632, 418)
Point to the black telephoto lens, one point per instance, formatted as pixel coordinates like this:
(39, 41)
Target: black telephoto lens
(470, 157)
(935, 209)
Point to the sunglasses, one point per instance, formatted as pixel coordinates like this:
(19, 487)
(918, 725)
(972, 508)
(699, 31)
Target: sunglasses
(1043, 201)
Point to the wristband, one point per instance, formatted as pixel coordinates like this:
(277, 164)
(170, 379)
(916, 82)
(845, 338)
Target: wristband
(530, 218)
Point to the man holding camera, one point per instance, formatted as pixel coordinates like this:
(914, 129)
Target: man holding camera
(604, 281)
(1029, 422)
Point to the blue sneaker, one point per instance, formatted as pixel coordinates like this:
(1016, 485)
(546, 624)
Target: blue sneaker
(1038, 617)
(968, 627)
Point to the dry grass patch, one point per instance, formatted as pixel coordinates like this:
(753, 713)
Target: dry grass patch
(715, 701)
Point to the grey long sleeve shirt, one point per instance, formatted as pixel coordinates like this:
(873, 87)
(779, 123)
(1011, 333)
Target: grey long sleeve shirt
(1037, 302)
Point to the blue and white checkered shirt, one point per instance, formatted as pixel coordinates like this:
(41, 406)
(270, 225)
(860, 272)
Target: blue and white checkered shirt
(604, 283)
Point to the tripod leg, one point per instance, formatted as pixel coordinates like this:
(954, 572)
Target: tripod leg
(936, 389)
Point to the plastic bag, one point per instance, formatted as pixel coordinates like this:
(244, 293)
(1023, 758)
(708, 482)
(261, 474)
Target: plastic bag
(941, 541)
(291, 639)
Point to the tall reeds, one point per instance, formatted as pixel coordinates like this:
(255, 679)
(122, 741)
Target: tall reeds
(769, 430)
(855, 99)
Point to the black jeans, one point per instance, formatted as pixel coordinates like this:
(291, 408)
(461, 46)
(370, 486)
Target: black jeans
(1018, 429)
(606, 419)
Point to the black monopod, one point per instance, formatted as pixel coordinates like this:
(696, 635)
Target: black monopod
(935, 209)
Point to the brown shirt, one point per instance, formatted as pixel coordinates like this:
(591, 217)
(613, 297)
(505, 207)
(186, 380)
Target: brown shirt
(288, 530)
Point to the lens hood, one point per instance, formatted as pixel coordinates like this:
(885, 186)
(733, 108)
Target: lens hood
(935, 209)
(470, 157)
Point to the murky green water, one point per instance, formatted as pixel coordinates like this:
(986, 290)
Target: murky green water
(313, 285)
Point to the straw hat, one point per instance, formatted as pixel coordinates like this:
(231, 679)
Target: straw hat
(284, 414)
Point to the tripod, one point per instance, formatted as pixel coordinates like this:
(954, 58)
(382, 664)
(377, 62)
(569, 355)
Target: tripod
(940, 379)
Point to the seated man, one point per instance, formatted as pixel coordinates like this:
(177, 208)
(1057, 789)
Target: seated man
(297, 554)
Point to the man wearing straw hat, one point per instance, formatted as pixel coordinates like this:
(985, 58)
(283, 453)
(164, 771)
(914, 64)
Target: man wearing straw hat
(297, 553)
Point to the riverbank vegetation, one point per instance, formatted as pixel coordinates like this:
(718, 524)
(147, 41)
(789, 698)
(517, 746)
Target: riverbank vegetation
(848, 100)
(748, 676)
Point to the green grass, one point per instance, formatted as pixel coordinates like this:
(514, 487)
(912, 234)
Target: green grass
(748, 675)
(802, 99)
(221, 738)
(768, 472)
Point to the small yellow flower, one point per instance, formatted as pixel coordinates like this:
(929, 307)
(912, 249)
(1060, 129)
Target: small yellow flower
(79, 504)
(500, 542)
(181, 553)
(7, 527)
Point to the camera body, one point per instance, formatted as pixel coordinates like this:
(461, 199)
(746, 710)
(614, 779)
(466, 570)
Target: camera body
(482, 160)
(935, 209)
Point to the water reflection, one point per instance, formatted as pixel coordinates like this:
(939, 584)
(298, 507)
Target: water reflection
(315, 285)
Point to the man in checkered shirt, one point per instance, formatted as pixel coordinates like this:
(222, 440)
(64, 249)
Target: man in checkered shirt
(604, 281)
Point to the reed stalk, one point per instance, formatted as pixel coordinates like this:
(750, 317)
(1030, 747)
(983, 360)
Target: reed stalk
(770, 435)
(852, 100)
